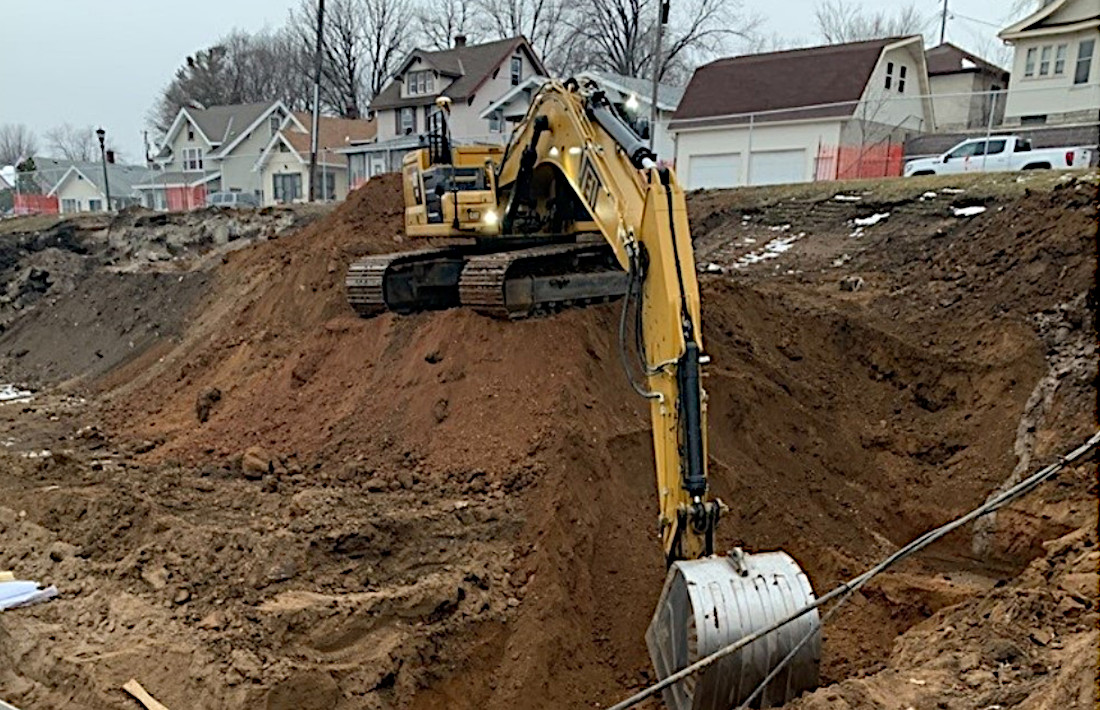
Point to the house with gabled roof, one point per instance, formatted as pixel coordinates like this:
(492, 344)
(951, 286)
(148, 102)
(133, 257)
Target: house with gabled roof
(208, 149)
(1055, 74)
(82, 188)
(827, 112)
(965, 88)
(471, 76)
(284, 163)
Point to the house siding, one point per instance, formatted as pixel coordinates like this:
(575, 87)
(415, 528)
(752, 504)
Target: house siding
(963, 100)
(1037, 95)
(808, 137)
(279, 163)
(175, 163)
(237, 168)
(78, 189)
(889, 109)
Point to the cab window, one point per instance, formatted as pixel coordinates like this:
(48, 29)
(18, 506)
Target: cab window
(966, 150)
(995, 147)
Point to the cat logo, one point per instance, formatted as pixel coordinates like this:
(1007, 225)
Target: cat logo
(591, 187)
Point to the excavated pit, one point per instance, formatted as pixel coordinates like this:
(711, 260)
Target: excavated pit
(445, 510)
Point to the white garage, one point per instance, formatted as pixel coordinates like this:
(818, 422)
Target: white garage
(711, 170)
(776, 167)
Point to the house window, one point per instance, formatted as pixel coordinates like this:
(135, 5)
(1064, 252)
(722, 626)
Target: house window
(190, 132)
(496, 121)
(1029, 63)
(420, 82)
(192, 159)
(70, 205)
(273, 123)
(1044, 61)
(901, 79)
(1060, 59)
(889, 74)
(328, 186)
(517, 70)
(1084, 61)
(95, 205)
(408, 120)
(288, 186)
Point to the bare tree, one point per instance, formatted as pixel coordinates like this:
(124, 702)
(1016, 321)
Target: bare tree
(16, 143)
(389, 33)
(545, 24)
(840, 21)
(72, 143)
(440, 23)
(619, 35)
(240, 68)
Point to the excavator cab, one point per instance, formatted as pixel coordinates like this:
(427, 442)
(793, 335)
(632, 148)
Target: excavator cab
(450, 190)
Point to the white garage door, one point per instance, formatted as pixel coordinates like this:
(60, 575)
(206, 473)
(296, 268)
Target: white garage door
(774, 167)
(713, 170)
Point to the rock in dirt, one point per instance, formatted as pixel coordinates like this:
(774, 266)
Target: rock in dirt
(205, 402)
(255, 463)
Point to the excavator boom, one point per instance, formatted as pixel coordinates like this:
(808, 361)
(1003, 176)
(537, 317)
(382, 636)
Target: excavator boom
(576, 208)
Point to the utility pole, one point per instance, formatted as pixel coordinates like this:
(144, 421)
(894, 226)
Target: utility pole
(943, 23)
(662, 20)
(317, 61)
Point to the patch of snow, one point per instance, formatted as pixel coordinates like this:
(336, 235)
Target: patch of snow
(770, 250)
(847, 198)
(968, 211)
(43, 454)
(749, 240)
(780, 227)
(745, 218)
(952, 190)
(929, 196)
(713, 268)
(870, 221)
(842, 260)
(11, 393)
(857, 232)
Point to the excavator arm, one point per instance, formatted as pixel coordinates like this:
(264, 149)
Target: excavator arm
(574, 147)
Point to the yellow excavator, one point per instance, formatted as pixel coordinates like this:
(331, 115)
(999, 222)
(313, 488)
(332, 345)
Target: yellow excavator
(574, 210)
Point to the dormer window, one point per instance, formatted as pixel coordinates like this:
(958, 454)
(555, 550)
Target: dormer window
(420, 82)
(273, 122)
(517, 70)
(190, 132)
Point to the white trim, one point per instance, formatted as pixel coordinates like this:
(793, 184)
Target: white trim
(599, 79)
(73, 168)
(1035, 17)
(758, 126)
(173, 130)
(224, 151)
(532, 82)
(202, 181)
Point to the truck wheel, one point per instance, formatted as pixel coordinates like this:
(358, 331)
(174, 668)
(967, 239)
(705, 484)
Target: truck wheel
(1037, 166)
(924, 172)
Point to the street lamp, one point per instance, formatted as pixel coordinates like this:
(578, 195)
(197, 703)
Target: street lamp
(100, 134)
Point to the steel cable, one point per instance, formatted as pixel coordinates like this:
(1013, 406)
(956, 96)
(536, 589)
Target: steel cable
(846, 589)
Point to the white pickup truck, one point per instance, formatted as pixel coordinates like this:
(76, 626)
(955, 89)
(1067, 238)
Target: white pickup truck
(1001, 153)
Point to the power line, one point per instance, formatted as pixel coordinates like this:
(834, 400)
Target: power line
(845, 590)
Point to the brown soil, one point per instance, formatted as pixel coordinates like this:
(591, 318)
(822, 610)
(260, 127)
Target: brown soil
(445, 510)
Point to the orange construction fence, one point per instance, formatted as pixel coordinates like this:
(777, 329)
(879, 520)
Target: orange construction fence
(845, 162)
(35, 204)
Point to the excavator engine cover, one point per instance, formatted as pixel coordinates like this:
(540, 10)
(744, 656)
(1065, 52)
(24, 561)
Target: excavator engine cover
(710, 603)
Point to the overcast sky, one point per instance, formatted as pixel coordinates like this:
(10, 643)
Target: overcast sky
(103, 63)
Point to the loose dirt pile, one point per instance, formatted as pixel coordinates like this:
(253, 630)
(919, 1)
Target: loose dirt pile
(444, 510)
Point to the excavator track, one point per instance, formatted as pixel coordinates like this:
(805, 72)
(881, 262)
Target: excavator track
(522, 283)
(502, 284)
(405, 282)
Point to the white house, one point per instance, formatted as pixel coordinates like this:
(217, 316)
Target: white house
(799, 115)
(471, 76)
(211, 149)
(82, 189)
(1055, 79)
(967, 91)
(284, 163)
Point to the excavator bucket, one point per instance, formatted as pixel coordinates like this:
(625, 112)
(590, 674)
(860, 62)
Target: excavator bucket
(710, 603)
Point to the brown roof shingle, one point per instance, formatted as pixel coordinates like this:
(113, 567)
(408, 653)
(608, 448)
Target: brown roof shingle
(471, 65)
(332, 134)
(832, 74)
(948, 59)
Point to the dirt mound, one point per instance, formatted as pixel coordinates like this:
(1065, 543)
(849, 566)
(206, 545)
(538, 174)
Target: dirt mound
(448, 510)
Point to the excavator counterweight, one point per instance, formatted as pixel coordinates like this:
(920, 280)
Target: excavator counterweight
(575, 210)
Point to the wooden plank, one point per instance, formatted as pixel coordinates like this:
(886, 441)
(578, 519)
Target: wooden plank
(141, 695)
